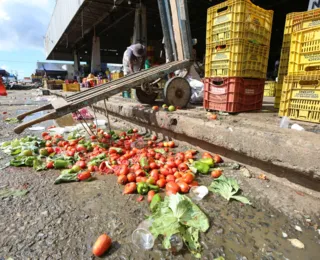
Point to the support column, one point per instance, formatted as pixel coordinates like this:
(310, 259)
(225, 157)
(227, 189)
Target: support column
(144, 26)
(76, 63)
(137, 25)
(96, 56)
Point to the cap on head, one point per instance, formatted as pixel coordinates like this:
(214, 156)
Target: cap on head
(138, 50)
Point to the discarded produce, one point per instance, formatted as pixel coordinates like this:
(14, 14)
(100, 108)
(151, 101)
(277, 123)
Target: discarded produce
(227, 188)
(102, 245)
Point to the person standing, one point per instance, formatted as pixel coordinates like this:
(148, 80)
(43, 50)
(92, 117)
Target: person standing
(134, 58)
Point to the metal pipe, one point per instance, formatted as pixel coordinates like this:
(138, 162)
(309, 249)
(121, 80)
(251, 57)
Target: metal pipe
(170, 28)
(165, 30)
(185, 28)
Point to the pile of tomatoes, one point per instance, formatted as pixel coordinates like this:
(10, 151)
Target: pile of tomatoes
(155, 164)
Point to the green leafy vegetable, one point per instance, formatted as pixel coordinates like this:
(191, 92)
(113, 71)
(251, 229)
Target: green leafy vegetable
(177, 214)
(39, 165)
(22, 161)
(4, 193)
(228, 188)
(162, 151)
(12, 120)
(144, 162)
(66, 177)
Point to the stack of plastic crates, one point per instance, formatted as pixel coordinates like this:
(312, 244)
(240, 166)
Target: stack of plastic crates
(300, 98)
(237, 51)
(294, 22)
(269, 89)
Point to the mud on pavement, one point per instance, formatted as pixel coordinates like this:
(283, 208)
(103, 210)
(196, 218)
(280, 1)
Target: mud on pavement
(62, 222)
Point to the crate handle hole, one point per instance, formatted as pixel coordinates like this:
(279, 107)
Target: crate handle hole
(309, 82)
(222, 9)
(221, 47)
(312, 68)
(217, 83)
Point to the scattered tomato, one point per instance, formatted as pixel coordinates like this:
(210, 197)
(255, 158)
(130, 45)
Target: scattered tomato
(101, 246)
(50, 165)
(84, 176)
(151, 193)
(161, 183)
(122, 179)
(130, 188)
(184, 187)
(131, 177)
(172, 187)
(217, 158)
(216, 173)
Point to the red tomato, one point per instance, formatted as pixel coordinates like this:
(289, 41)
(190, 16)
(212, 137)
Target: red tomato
(194, 184)
(122, 179)
(50, 165)
(141, 179)
(153, 166)
(48, 144)
(151, 193)
(93, 137)
(135, 130)
(82, 164)
(178, 162)
(177, 175)
(140, 173)
(155, 174)
(164, 171)
(162, 177)
(174, 170)
(171, 164)
(188, 155)
(157, 156)
(151, 181)
(91, 168)
(154, 138)
(84, 176)
(184, 187)
(173, 187)
(160, 144)
(216, 173)
(71, 153)
(183, 167)
(50, 150)
(81, 148)
(179, 156)
(44, 134)
(171, 144)
(124, 170)
(47, 137)
(188, 178)
(161, 183)
(170, 178)
(207, 155)
(217, 158)
(131, 177)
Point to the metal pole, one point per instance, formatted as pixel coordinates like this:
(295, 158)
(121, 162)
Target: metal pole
(165, 30)
(170, 28)
(185, 28)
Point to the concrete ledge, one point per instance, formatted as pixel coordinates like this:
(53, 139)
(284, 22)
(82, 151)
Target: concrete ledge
(284, 152)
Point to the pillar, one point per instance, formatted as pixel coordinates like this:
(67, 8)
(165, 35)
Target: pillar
(96, 56)
(76, 63)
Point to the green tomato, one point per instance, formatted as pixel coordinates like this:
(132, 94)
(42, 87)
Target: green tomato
(44, 152)
(164, 106)
(171, 108)
(26, 153)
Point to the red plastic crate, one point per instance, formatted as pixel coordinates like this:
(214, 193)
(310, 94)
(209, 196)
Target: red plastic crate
(233, 94)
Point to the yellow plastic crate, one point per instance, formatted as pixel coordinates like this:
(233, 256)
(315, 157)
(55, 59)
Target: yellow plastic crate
(116, 75)
(239, 19)
(300, 98)
(75, 87)
(269, 89)
(236, 58)
(277, 95)
(305, 51)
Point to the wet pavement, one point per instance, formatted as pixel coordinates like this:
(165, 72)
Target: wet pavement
(62, 222)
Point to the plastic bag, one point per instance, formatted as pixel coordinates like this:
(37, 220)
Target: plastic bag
(196, 91)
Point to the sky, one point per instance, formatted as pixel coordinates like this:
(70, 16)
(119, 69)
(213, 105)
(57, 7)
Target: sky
(23, 25)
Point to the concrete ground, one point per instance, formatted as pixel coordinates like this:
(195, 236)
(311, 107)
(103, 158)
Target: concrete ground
(62, 222)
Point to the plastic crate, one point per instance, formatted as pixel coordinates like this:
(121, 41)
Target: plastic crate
(74, 87)
(278, 95)
(236, 58)
(305, 51)
(116, 75)
(233, 94)
(269, 89)
(300, 98)
(239, 19)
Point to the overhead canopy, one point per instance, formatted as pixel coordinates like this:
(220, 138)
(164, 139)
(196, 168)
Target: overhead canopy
(4, 73)
(74, 23)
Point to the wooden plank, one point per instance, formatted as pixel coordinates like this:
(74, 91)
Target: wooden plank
(176, 29)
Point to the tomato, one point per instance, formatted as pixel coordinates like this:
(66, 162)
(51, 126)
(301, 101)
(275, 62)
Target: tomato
(171, 144)
(213, 117)
(174, 170)
(183, 167)
(131, 177)
(153, 166)
(177, 175)
(47, 138)
(102, 244)
(194, 184)
(44, 134)
(178, 162)
(150, 143)
(188, 178)
(207, 155)
(162, 159)
(140, 173)
(161, 183)
(107, 136)
(188, 155)
(155, 174)
(50, 165)
(48, 144)
(217, 158)
(81, 148)
(184, 187)
(141, 179)
(151, 193)
(151, 181)
(135, 130)
(170, 178)
(82, 164)
(173, 187)
(71, 153)
(216, 173)
(50, 150)
(164, 171)
(130, 188)
(122, 179)
(124, 170)
(93, 137)
(160, 144)
(179, 156)
(162, 177)
(171, 164)
(91, 168)
(154, 138)
(84, 176)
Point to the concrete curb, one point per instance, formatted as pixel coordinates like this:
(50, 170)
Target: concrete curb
(286, 153)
